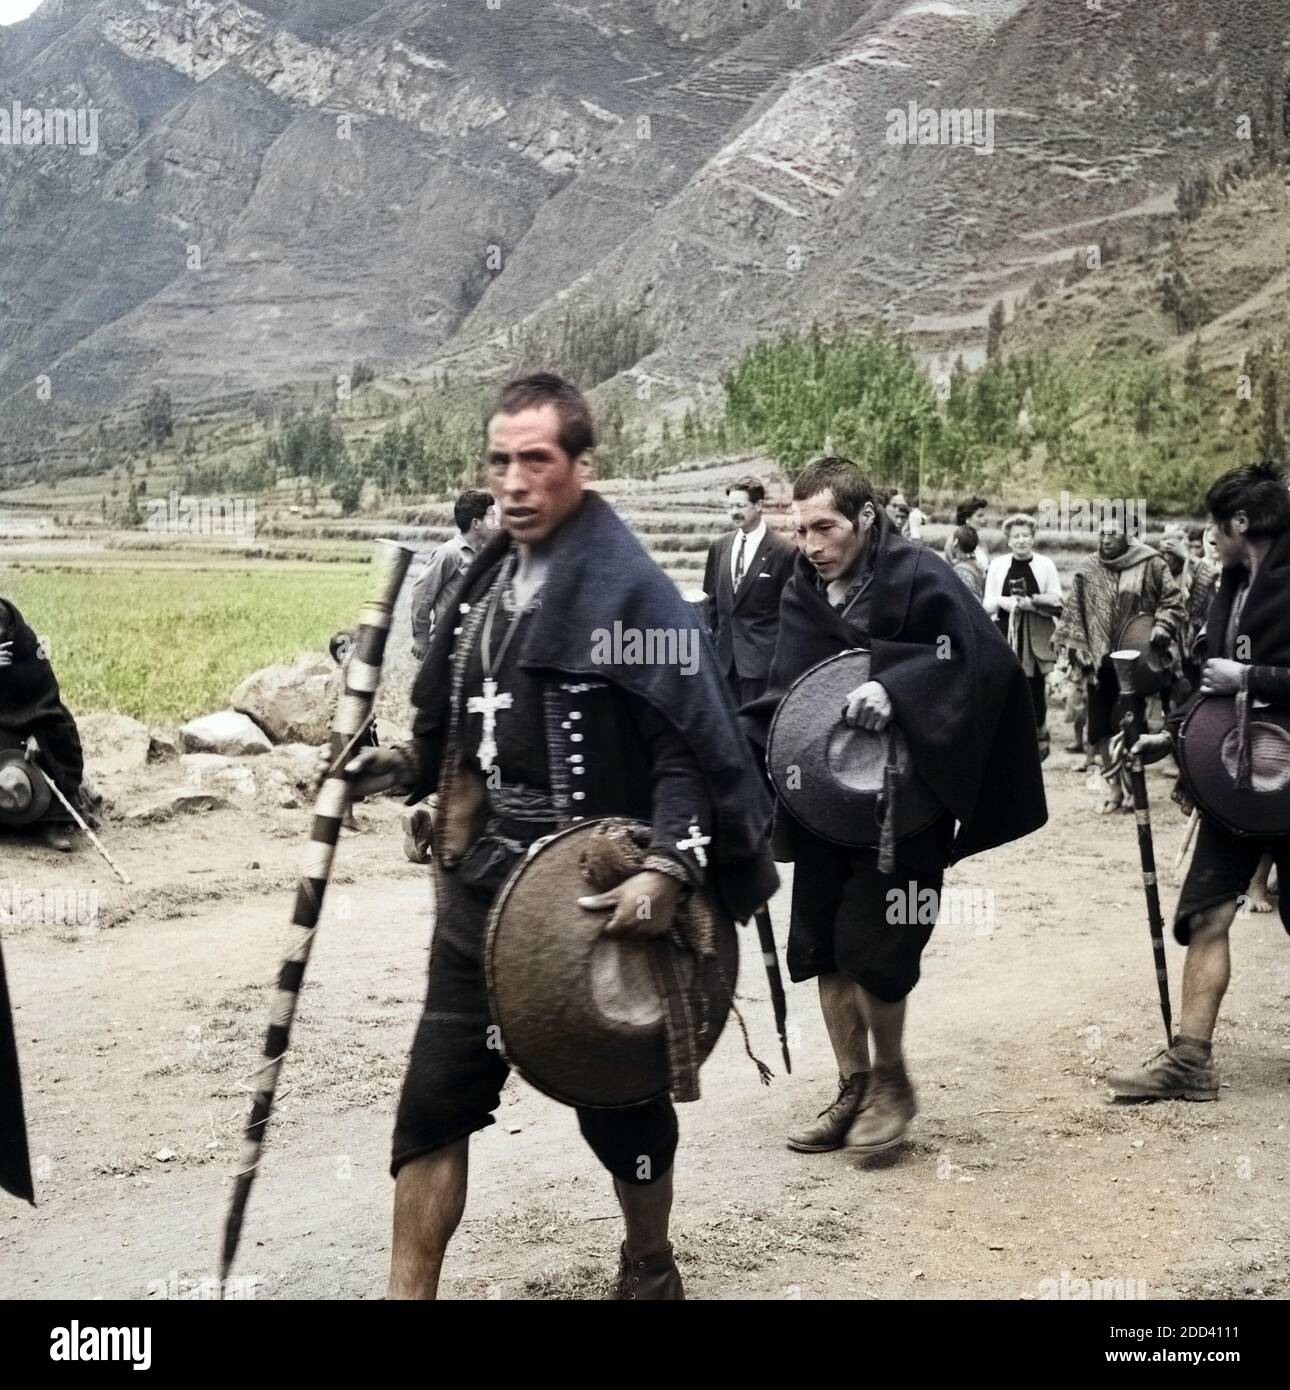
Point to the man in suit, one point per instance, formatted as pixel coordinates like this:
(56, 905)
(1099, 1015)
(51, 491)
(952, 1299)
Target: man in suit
(745, 575)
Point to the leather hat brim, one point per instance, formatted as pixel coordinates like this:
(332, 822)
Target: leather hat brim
(1207, 755)
(579, 1013)
(830, 775)
(41, 796)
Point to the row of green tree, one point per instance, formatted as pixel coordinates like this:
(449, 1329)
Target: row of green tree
(1118, 422)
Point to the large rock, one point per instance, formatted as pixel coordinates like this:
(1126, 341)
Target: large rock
(295, 703)
(227, 732)
(114, 744)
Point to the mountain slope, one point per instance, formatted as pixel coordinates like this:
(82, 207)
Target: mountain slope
(283, 189)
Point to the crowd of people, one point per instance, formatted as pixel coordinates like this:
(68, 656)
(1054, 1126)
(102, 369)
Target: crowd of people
(961, 645)
(525, 732)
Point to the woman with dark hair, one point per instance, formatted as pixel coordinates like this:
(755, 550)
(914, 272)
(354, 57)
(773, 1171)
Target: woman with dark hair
(971, 512)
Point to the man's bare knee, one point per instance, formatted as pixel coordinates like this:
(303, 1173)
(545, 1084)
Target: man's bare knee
(1212, 922)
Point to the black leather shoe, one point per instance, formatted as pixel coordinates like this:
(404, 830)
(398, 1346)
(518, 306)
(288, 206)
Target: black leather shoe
(654, 1277)
(828, 1131)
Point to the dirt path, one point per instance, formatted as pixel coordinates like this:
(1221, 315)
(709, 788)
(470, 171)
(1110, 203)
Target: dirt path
(135, 1038)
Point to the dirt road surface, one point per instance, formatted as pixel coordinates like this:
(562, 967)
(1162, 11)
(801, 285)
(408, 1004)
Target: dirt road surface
(137, 1031)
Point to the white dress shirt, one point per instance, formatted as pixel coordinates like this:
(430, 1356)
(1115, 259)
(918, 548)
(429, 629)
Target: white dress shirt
(751, 541)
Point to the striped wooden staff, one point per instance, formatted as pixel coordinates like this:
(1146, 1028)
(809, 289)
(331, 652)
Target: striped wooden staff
(1124, 663)
(353, 714)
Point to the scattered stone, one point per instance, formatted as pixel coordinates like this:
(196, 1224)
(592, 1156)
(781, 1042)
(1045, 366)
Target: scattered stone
(293, 703)
(254, 864)
(226, 732)
(163, 747)
(171, 802)
(165, 1155)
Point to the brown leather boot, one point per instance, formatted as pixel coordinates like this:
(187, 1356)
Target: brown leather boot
(889, 1105)
(654, 1277)
(829, 1128)
(1183, 1071)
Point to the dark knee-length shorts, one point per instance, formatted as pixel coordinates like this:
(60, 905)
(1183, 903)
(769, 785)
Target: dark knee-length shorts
(1221, 868)
(845, 917)
(456, 1070)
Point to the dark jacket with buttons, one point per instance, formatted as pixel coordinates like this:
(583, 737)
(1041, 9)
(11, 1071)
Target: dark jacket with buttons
(744, 623)
(654, 740)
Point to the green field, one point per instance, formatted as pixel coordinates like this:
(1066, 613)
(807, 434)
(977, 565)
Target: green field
(171, 642)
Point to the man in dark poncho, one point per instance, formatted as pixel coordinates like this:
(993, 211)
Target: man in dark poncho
(941, 670)
(1245, 647)
(534, 712)
(30, 707)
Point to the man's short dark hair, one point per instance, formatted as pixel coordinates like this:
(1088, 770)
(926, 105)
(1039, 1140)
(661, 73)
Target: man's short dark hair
(750, 485)
(577, 431)
(849, 486)
(965, 509)
(470, 507)
(1195, 533)
(1257, 489)
(967, 540)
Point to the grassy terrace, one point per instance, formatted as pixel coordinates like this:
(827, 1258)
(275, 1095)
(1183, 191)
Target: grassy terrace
(167, 640)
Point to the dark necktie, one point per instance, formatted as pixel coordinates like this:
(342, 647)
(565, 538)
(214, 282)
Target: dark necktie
(739, 558)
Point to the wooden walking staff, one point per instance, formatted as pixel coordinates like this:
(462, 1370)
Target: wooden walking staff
(1124, 663)
(33, 751)
(353, 713)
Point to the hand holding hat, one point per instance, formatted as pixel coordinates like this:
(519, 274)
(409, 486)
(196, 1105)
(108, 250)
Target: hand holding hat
(869, 707)
(642, 906)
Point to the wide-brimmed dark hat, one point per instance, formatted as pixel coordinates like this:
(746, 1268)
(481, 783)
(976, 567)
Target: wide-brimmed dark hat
(833, 777)
(1209, 753)
(41, 796)
(1151, 670)
(581, 1014)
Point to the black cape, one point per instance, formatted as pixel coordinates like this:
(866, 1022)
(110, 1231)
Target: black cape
(30, 704)
(600, 574)
(958, 691)
(15, 1163)
(1265, 619)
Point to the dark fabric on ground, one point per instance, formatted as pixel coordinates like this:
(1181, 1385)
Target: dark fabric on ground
(840, 911)
(30, 704)
(15, 1165)
(454, 1078)
(1222, 866)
